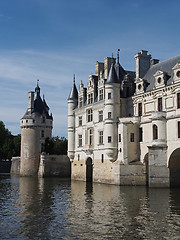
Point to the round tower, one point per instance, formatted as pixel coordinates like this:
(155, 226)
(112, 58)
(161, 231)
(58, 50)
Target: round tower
(36, 126)
(159, 129)
(111, 113)
(72, 104)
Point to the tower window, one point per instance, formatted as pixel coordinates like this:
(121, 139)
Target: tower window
(42, 133)
(101, 95)
(160, 104)
(109, 115)
(132, 137)
(155, 132)
(42, 147)
(178, 100)
(109, 139)
(109, 95)
(119, 137)
(43, 120)
(139, 109)
(100, 116)
(100, 137)
(80, 140)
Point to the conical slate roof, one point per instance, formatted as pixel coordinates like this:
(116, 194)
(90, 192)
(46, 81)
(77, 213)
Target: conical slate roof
(74, 93)
(112, 77)
(40, 107)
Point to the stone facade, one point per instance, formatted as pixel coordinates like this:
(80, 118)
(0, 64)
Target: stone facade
(124, 128)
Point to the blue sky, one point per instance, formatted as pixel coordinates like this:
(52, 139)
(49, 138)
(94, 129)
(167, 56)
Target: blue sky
(50, 40)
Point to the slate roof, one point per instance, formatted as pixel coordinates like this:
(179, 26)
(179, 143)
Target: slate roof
(165, 66)
(112, 77)
(40, 107)
(74, 93)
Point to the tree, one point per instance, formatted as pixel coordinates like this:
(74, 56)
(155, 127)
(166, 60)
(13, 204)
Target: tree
(56, 145)
(9, 144)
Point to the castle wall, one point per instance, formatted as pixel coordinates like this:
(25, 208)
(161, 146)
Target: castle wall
(15, 166)
(54, 166)
(132, 175)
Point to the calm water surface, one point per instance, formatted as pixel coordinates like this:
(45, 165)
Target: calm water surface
(55, 209)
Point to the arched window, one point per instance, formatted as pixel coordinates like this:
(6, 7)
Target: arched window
(155, 132)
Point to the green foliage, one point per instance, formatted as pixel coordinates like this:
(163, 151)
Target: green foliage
(9, 144)
(56, 145)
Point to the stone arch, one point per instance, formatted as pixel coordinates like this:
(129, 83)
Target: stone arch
(89, 170)
(146, 162)
(174, 168)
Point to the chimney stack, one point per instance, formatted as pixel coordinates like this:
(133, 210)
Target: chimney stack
(142, 63)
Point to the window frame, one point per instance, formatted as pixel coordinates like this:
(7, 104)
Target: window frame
(100, 137)
(89, 115)
(160, 105)
(79, 140)
(80, 121)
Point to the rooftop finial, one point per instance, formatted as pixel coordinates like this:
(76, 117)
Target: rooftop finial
(74, 79)
(112, 54)
(118, 55)
(37, 82)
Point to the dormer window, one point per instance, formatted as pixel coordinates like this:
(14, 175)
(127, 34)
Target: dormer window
(141, 85)
(160, 79)
(176, 70)
(178, 74)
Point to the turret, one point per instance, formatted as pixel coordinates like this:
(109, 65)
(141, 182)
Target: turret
(111, 113)
(72, 104)
(36, 126)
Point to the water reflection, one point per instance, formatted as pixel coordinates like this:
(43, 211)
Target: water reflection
(51, 208)
(35, 199)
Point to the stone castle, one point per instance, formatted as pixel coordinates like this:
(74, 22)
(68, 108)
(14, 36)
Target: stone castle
(124, 128)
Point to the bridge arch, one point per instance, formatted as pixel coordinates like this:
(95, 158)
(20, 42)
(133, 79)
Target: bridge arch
(174, 168)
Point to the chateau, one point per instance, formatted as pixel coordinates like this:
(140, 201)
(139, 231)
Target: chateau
(124, 128)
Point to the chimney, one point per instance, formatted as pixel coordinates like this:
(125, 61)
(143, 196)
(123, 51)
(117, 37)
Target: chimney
(99, 67)
(30, 101)
(107, 65)
(142, 63)
(154, 61)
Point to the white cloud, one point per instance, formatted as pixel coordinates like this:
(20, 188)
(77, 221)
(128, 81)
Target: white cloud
(19, 71)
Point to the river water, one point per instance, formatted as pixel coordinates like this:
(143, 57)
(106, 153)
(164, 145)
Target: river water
(52, 208)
